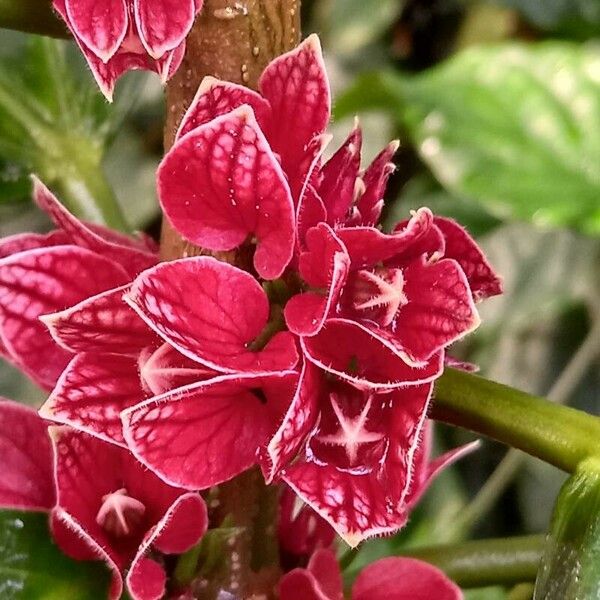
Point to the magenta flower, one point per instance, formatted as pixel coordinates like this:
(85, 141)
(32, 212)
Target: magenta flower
(42, 274)
(104, 505)
(116, 36)
(360, 459)
(393, 578)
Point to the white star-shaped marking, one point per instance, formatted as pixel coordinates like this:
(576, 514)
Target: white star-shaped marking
(390, 293)
(120, 513)
(352, 433)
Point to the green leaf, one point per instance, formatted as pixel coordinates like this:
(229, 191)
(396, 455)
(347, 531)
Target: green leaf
(32, 566)
(570, 567)
(512, 127)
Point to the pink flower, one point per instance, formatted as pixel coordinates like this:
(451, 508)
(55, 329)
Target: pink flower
(393, 578)
(41, 274)
(103, 504)
(118, 35)
(360, 459)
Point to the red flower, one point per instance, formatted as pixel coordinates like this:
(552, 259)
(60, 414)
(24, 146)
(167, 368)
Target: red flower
(356, 457)
(41, 274)
(391, 578)
(118, 35)
(104, 504)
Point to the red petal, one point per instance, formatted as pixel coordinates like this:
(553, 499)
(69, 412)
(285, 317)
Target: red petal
(221, 184)
(217, 426)
(299, 420)
(360, 505)
(439, 311)
(368, 246)
(26, 477)
(101, 25)
(211, 311)
(396, 578)
(324, 264)
(102, 323)
(339, 178)
(29, 241)
(462, 247)
(355, 354)
(181, 527)
(324, 566)
(311, 211)
(163, 24)
(110, 245)
(92, 392)
(375, 179)
(300, 584)
(163, 369)
(356, 506)
(42, 281)
(215, 98)
(297, 87)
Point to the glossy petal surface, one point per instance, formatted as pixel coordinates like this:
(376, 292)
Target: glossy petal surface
(201, 435)
(92, 392)
(43, 281)
(297, 87)
(221, 184)
(211, 311)
(102, 323)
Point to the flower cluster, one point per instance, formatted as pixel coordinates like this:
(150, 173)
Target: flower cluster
(116, 36)
(317, 363)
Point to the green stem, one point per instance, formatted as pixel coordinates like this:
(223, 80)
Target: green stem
(479, 563)
(522, 591)
(559, 435)
(504, 473)
(31, 16)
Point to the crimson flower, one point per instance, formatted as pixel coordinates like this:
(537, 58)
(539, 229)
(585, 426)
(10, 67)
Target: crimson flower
(118, 35)
(103, 503)
(393, 578)
(41, 274)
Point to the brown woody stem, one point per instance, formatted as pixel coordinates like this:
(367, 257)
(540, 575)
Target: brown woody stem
(235, 40)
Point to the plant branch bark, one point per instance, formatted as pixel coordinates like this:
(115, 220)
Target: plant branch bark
(235, 41)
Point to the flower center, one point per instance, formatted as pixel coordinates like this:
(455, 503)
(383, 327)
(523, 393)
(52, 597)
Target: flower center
(120, 514)
(352, 433)
(379, 293)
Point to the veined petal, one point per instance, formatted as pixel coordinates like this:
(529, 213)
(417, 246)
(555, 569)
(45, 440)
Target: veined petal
(358, 355)
(101, 25)
(297, 87)
(26, 481)
(299, 420)
(439, 308)
(42, 281)
(211, 312)
(309, 213)
(215, 98)
(202, 434)
(101, 323)
(460, 246)
(324, 264)
(163, 24)
(130, 254)
(400, 578)
(356, 506)
(368, 246)
(92, 392)
(221, 183)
